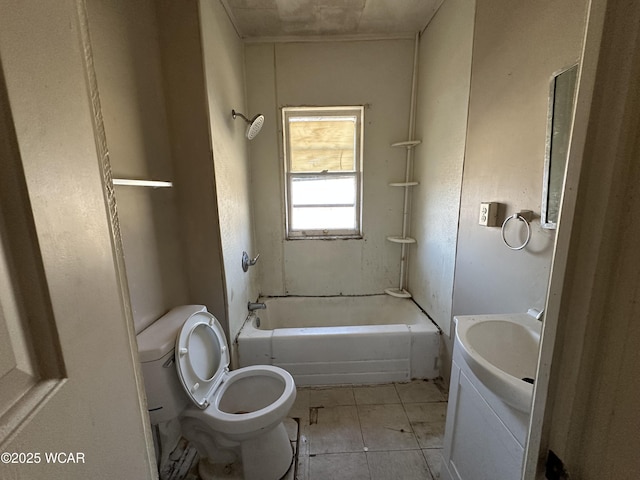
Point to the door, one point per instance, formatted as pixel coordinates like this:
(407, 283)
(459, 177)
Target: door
(71, 396)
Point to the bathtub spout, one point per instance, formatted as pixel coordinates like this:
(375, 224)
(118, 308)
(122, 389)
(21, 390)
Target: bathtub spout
(256, 306)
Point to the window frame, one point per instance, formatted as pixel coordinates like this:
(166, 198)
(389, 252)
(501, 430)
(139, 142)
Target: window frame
(324, 234)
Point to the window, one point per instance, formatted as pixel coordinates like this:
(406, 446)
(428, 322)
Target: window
(323, 184)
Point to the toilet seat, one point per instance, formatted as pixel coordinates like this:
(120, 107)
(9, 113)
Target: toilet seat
(202, 357)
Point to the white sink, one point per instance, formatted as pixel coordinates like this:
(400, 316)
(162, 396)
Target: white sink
(502, 351)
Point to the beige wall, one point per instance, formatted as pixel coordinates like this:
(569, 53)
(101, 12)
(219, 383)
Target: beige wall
(224, 75)
(441, 124)
(500, 134)
(372, 73)
(194, 179)
(127, 62)
(157, 127)
(517, 47)
(176, 241)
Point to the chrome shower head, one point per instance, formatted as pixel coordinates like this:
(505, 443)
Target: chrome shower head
(255, 124)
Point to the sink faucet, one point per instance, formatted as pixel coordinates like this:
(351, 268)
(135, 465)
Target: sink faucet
(256, 306)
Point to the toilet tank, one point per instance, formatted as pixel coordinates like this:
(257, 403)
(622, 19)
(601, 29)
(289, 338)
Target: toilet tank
(156, 343)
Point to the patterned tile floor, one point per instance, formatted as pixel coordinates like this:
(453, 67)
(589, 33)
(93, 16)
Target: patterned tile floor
(380, 432)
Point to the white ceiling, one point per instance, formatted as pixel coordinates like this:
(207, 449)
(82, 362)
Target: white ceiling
(295, 18)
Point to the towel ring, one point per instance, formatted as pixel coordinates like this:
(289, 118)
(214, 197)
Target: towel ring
(526, 222)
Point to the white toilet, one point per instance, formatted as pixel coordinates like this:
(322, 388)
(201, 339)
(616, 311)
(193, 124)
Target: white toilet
(220, 412)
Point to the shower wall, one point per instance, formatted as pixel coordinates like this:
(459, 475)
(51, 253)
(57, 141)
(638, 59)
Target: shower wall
(224, 79)
(376, 74)
(441, 124)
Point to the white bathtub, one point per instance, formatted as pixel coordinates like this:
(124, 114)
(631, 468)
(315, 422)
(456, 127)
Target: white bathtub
(342, 340)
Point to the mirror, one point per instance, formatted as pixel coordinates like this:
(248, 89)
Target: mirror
(561, 95)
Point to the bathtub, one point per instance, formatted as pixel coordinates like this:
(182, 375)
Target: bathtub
(342, 340)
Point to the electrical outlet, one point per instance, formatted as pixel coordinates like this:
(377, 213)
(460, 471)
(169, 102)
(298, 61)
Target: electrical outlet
(488, 214)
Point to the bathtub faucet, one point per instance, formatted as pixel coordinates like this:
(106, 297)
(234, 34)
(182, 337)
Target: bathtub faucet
(256, 306)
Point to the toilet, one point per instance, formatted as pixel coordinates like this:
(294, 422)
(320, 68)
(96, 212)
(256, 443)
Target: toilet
(185, 364)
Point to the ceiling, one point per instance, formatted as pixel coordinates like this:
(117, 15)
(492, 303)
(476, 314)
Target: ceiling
(303, 18)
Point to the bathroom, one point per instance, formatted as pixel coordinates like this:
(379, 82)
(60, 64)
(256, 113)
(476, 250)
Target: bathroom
(445, 268)
(169, 74)
(452, 254)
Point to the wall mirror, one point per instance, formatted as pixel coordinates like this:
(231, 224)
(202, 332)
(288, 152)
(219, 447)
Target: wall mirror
(561, 95)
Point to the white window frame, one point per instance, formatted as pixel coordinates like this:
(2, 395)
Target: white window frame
(338, 111)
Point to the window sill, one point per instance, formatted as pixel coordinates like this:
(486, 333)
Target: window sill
(326, 237)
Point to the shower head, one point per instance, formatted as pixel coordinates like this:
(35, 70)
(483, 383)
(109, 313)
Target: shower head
(255, 124)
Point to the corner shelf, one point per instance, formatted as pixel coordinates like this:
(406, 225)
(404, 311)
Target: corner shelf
(398, 293)
(403, 239)
(407, 144)
(397, 239)
(404, 184)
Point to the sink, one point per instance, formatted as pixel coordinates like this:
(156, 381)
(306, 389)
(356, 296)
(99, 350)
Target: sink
(502, 351)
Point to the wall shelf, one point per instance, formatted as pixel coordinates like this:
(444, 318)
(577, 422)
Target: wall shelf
(404, 184)
(397, 239)
(407, 144)
(398, 293)
(142, 183)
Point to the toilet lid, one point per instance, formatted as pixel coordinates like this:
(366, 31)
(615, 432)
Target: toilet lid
(202, 357)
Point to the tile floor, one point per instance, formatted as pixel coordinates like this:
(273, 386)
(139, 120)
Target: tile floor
(380, 432)
(371, 432)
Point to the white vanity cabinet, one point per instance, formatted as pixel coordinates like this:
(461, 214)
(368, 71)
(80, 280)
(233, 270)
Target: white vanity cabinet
(484, 436)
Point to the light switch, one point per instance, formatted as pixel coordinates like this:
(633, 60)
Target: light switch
(488, 214)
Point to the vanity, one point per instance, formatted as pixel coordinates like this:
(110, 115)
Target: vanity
(492, 375)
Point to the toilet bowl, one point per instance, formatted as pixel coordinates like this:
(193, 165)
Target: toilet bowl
(252, 399)
(247, 410)
(230, 413)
